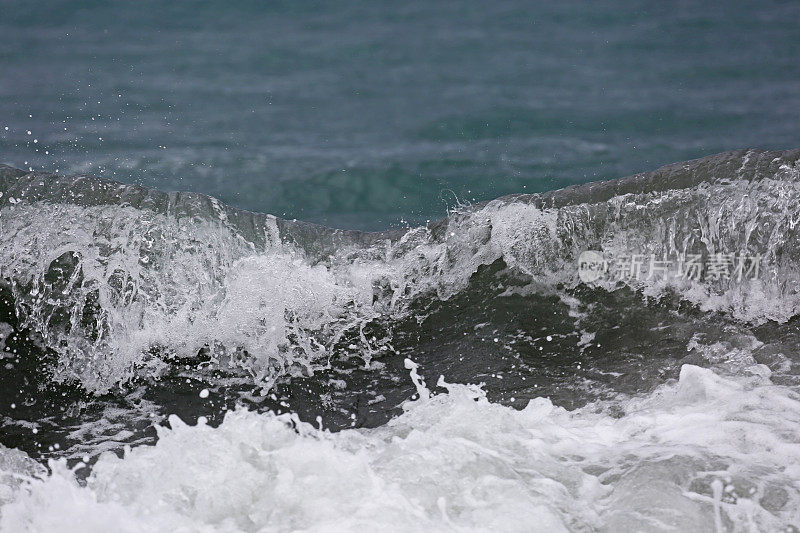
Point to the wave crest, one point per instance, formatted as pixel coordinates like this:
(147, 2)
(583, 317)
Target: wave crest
(117, 279)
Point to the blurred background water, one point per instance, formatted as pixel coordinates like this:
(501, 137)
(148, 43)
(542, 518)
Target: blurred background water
(373, 114)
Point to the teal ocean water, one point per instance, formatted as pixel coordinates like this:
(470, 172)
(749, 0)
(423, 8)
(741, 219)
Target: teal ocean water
(364, 114)
(209, 361)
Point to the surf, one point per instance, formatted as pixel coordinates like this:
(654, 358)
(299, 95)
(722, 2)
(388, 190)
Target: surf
(141, 325)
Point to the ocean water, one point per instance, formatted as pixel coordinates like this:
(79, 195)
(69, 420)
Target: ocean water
(366, 114)
(369, 307)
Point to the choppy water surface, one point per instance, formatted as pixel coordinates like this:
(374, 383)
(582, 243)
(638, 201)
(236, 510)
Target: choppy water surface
(173, 363)
(362, 114)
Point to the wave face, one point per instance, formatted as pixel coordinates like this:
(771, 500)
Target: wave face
(623, 402)
(116, 278)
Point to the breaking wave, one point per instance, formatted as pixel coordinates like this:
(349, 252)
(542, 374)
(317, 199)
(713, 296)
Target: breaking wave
(172, 363)
(116, 279)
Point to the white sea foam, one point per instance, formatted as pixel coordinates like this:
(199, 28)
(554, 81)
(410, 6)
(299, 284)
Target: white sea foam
(151, 282)
(137, 284)
(705, 452)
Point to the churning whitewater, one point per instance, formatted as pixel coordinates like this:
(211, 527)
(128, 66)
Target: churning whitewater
(176, 364)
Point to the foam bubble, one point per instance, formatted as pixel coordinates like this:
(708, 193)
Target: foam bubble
(117, 290)
(456, 461)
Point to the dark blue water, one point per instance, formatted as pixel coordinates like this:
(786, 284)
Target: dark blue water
(364, 114)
